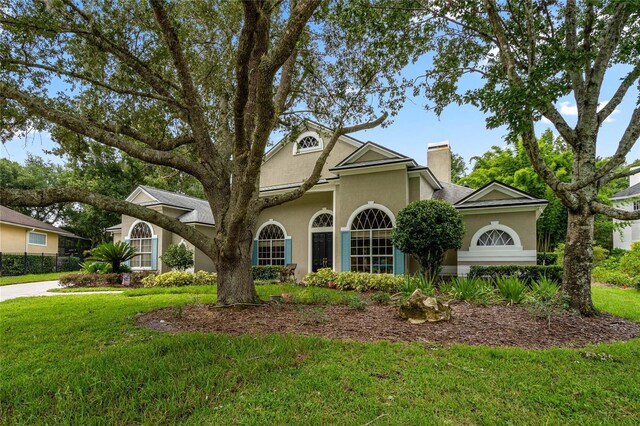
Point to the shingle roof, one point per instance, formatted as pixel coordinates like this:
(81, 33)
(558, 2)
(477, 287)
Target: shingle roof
(629, 192)
(498, 203)
(11, 216)
(373, 163)
(451, 192)
(199, 209)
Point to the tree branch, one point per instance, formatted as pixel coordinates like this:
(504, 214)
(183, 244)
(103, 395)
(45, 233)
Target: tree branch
(614, 213)
(45, 197)
(619, 95)
(103, 133)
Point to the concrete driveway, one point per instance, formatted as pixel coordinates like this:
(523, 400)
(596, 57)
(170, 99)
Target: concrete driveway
(37, 289)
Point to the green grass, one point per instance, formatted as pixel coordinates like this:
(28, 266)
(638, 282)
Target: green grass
(623, 302)
(84, 289)
(31, 278)
(70, 360)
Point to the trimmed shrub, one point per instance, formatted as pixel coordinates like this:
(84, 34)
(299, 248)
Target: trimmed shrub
(548, 258)
(178, 256)
(138, 276)
(264, 273)
(525, 273)
(607, 276)
(180, 279)
(544, 290)
(322, 278)
(511, 288)
(630, 261)
(90, 280)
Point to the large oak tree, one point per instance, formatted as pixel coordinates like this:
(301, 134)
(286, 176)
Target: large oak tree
(201, 87)
(529, 54)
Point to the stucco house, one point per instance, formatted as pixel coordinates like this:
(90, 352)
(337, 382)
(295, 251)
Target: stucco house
(20, 233)
(344, 222)
(629, 200)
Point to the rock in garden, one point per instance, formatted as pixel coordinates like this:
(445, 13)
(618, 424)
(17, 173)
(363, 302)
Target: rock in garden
(421, 308)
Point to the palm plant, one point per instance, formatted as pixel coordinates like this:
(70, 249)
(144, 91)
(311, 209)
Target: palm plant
(116, 254)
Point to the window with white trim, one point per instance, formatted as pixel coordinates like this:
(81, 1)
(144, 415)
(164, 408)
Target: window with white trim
(271, 246)
(323, 220)
(371, 246)
(495, 237)
(636, 205)
(140, 239)
(308, 142)
(37, 239)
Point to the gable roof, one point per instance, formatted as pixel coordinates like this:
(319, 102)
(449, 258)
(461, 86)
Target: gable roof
(12, 217)
(369, 146)
(198, 210)
(513, 197)
(632, 191)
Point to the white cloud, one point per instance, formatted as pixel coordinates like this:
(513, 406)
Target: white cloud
(567, 109)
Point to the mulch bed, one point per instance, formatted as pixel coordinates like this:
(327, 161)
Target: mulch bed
(493, 325)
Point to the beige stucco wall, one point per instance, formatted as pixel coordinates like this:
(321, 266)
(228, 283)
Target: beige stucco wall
(285, 167)
(370, 156)
(141, 198)
(388, 188)
(295, 217)
(523, 223)
(13, 240)
(414, 188)
(496, 195)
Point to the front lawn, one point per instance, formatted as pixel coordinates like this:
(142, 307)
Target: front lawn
(82, 360)
(31, 278)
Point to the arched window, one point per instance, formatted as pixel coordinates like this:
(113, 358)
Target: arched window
(371, 247)
(495, 237)
(271, 245)
(140, 239)
(307, 142)
(323, 220)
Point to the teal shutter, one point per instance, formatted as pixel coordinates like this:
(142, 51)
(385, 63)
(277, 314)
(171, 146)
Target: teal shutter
(345, 250)
(128, 262)
(254, 254)
(398, 262)
(154, 254)
(287, 251)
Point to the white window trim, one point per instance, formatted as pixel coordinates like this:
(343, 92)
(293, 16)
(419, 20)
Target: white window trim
(257, 239)
(133, 225)
(326, 229)
(517, 244)
(320, 147)
(46, 239)
(371, 205)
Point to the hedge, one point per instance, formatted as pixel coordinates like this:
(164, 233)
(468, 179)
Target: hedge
(13, 264)
(358, 281)
(526, 273)
(83, 279)
(181, 279)
(603, 275)
(267, 272)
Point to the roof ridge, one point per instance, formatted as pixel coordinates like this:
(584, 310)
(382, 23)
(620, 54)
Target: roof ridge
(173, 193)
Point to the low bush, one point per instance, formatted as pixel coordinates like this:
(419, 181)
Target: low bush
(83, 279)
(630, 261)
(418, 281)
(323, 278)
(511, 289)
(86, 279)
(607, 276)
(267, 273)
(358, 281)
(469, 289)
(178, 256)
(354, 302)
(381, 298)
(526, 273)
(544, 290)
(180, 279)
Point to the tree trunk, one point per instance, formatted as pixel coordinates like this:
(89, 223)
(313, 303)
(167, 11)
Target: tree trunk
(235, 280)
(578, 258)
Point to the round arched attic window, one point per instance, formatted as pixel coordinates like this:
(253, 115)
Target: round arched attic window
(308, 142)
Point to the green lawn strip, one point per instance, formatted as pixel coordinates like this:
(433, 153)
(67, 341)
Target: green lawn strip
(84, 289)
(67, 360)
(623, 302)
(30, 278)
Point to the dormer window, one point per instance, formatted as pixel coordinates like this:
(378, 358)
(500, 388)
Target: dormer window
(308, 142)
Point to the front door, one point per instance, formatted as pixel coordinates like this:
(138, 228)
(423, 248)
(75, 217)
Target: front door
(321, 250)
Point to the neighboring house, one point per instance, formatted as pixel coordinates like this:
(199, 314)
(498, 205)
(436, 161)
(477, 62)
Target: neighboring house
(344, 222)
(20, 233)
(628, 200)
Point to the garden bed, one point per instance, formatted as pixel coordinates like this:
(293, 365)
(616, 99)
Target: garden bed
(491, 325)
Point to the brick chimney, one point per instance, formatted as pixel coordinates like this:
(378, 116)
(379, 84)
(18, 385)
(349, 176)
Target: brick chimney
(439, 160)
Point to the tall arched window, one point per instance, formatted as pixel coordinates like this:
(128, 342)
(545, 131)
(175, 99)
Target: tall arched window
(371, 247)
(140, 239)
(271, 245)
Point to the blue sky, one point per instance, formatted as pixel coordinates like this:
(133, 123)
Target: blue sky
(414, 127)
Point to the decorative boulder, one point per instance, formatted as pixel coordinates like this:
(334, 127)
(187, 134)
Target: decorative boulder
(421, 308)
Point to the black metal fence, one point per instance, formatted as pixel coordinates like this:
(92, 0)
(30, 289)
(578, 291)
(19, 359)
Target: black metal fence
(36, 263)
